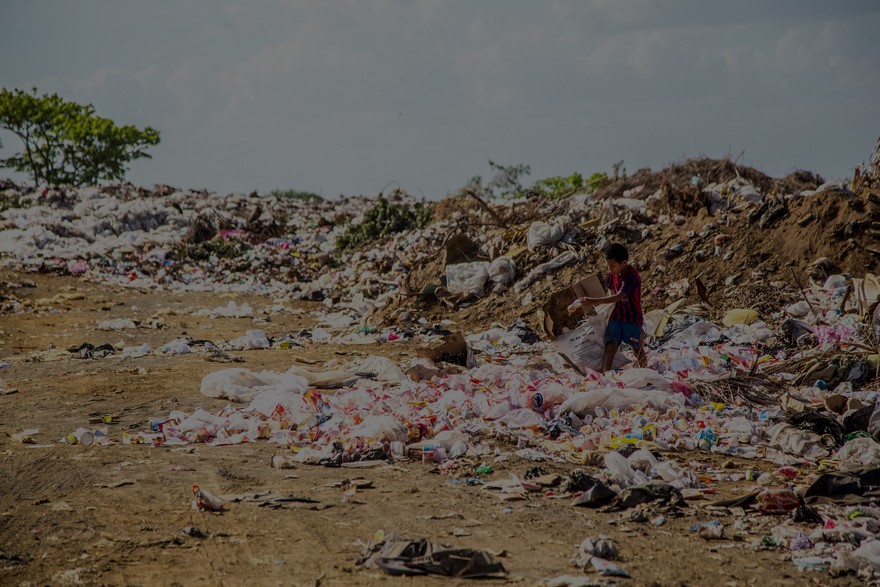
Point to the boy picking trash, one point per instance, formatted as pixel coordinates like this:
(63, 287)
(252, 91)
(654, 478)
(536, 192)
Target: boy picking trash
(625, 323)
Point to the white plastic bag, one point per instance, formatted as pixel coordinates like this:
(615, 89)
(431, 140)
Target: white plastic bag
(644, 379)
(241, 385)
(380, 428)
(582, 403)
(502, 272)
(467, 278)
(621, 472)
(540, 270)
(585, 345)
(543, 233)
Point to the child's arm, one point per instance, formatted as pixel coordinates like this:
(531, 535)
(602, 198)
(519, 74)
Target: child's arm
(587, 301)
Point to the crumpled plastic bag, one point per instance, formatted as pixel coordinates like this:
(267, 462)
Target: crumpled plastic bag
(467, 278)
(381, 428)
(482, 341)
(614, 397)
(640, 378)
(866, 555)
(502, 272)
(739, 316)
(600, 546)
(383, 368)
(253, 339)
(117, 324)
(544, 268)
(701, 332)
(857, 453)
(543, 233)
(748, 333)
(795, 441)
(241, 385)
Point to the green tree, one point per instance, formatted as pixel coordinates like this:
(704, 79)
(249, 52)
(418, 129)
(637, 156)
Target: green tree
(67, 143)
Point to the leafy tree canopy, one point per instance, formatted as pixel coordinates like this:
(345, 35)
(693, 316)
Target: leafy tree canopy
(66, 143)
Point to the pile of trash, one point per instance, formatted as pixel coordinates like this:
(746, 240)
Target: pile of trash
(798, 395)
(731, 227)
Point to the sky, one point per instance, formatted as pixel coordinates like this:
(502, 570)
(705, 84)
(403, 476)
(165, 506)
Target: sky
(349, 97)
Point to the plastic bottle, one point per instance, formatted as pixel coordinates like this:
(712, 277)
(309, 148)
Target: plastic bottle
(546, 398)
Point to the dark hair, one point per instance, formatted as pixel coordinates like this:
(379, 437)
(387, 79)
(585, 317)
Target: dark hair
(617, 252)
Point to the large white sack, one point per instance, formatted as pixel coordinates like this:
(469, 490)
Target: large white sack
(614, 397)
(241, 385)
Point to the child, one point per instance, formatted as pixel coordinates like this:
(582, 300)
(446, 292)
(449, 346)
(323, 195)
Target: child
(625, 324)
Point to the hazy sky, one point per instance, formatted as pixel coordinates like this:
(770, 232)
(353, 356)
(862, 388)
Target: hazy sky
(347, 96)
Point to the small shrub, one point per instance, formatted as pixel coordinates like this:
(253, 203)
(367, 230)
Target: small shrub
(382, 220)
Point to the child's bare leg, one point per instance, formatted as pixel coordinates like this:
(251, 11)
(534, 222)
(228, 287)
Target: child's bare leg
(641, 359)
(608, 356)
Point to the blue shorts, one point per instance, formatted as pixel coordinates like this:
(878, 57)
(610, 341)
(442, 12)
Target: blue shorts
(623, 333)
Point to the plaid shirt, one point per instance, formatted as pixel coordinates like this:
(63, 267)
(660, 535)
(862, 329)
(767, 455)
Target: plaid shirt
(629, 309)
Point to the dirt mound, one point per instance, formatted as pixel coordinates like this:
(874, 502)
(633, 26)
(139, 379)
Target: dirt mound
(750, 253)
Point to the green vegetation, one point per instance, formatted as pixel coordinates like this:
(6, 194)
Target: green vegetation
(562, 187)
(218, 247)
(65, 143)
(382, 220)
(507, 184)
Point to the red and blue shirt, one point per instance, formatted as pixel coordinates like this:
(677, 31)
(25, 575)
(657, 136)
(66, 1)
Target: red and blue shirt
(628, 309)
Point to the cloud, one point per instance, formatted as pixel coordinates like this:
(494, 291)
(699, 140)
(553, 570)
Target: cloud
(347, 95)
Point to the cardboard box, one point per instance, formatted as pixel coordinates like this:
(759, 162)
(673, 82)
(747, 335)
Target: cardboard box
(555, 310)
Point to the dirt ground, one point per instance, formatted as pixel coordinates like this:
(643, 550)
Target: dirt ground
(114, 515)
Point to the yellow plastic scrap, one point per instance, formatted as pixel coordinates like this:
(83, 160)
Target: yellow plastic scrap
(739, 316)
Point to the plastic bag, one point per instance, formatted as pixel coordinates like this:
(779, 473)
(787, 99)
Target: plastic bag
(866, 555)
(117, 324)
(739, 316)
(796, 441)
(858, 452)
(382, 367)
(644, 379)
(467, 278)
(241, 385)
(543, 233)
(874, 422)
(380, 428)
(178, 346)
(673, 474)
(539, 271)
(522, 418)
(585, 345)
(133, 352)
(614, 397)
(621, 472)
(502, 272)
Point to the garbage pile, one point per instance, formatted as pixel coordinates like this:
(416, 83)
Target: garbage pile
(399, 261)
(800, 395)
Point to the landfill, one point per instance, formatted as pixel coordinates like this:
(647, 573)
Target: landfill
(446, 355)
